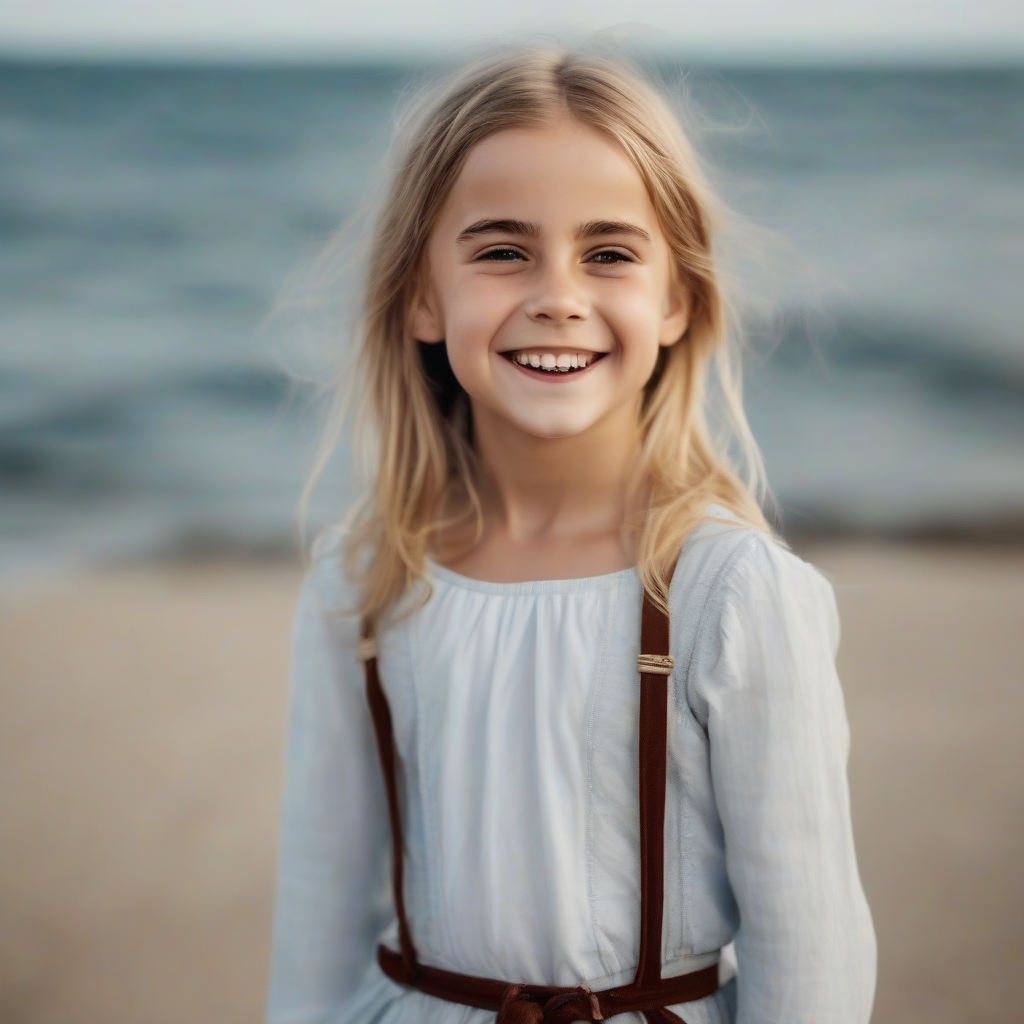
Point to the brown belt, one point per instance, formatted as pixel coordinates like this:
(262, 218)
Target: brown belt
(648, 993)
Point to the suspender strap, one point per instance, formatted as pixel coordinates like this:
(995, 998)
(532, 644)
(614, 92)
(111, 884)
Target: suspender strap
(535, 1004)
(381, 714)
(654, 627)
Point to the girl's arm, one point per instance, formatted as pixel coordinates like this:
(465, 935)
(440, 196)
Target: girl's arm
(779, 742)
(332, 895)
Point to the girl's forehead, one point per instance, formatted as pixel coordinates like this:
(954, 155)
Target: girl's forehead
(560, 170)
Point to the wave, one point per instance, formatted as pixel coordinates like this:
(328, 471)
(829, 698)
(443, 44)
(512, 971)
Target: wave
(79, 444)
(949, 367)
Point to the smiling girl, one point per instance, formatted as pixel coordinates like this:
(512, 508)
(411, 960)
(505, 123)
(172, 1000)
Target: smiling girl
(581, 754)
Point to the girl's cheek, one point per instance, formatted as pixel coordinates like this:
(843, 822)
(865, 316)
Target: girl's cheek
(634, 315)
(477, 310)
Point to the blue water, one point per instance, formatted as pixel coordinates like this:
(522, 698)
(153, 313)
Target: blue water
(150, 217)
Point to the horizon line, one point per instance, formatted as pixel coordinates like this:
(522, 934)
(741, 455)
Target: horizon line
(769, 57)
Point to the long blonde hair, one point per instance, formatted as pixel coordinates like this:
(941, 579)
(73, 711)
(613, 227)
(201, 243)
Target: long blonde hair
(416, 442)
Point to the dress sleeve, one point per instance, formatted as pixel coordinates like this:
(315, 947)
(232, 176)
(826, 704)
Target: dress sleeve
(332, 899)
(768, 691)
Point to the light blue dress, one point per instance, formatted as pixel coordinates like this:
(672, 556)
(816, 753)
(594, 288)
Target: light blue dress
(515, 711)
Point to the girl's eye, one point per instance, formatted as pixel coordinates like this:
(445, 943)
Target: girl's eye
(501, 255)
(609, 257)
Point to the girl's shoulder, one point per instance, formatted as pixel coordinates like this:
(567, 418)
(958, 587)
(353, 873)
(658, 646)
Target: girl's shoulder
(327, 600)
(728, 567)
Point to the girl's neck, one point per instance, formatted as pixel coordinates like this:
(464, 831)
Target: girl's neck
(553, 508)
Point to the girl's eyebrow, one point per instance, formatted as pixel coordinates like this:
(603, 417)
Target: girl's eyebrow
(598, 228)
(504, 227)
(591, 229)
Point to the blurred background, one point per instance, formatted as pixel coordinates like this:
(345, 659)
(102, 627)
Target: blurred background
(165, 178)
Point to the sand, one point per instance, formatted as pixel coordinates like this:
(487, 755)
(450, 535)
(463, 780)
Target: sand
(932, 662)
(141, 743)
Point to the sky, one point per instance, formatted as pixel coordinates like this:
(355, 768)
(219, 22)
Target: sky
(807, 30)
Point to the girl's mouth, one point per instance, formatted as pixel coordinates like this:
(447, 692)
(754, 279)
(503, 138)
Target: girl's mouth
(552, 362)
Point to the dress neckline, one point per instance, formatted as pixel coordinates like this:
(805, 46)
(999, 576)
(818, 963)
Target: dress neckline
(606, 581)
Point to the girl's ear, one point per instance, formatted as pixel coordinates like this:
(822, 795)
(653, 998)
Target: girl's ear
(676, 316)
(427, 323)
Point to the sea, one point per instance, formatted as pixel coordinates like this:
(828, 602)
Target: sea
(169, 323)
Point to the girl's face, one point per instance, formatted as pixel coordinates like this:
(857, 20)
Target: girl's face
(549, 278)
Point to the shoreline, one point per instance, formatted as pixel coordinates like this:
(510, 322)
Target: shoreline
(799, 533)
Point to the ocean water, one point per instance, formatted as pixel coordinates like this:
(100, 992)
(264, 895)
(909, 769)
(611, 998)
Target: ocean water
(150, 218)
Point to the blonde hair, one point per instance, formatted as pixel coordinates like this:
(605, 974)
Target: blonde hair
(423, 481)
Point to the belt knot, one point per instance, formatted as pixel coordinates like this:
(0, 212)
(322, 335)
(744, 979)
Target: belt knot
(521, 1006)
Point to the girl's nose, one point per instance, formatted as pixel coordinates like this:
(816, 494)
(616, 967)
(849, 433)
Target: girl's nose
(558, 297)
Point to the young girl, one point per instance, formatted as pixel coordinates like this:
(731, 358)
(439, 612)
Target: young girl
(581, 754)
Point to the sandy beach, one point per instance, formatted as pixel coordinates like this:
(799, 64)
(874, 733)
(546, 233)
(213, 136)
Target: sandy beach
(141, 743)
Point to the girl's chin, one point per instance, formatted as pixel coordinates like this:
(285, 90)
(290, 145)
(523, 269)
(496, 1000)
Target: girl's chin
(552, 427)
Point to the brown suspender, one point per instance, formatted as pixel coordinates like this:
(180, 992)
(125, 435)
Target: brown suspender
(653, 758)
(648, 993)
(381, 714)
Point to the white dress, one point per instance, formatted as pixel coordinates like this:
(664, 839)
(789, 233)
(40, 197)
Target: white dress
(515, 714)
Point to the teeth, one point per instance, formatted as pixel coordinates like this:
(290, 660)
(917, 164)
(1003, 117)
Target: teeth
(563, 362)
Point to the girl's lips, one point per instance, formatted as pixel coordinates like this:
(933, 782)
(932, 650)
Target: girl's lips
(553, 366)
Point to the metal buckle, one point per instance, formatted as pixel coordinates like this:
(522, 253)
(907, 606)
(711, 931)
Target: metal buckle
(655, 664)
